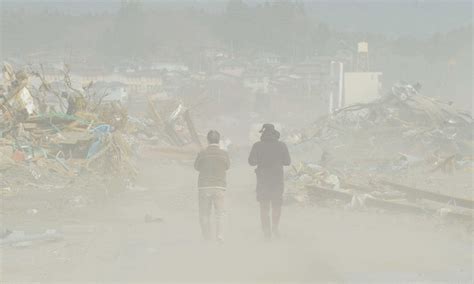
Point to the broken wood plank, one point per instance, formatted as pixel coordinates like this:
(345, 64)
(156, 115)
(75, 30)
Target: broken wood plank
(384, 204)
(419, 193)
(192, 128)
(370, 202)
(157, 117)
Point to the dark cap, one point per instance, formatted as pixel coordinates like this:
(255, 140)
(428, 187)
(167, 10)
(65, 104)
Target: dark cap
(267, 127)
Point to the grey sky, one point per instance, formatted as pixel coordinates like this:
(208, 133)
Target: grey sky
(388, 17)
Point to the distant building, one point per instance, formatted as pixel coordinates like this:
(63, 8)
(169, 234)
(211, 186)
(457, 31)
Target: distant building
(112, 91)
(361, 87)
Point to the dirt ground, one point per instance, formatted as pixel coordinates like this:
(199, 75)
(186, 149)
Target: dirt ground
(107, 239)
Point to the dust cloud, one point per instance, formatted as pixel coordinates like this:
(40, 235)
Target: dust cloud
(159, 141)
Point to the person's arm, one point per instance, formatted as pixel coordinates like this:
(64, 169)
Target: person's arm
(227, 161)
(286, 155)
(253, 159)
(197, 162)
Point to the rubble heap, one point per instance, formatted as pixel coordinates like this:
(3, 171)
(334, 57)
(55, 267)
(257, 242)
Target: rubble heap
(403, 120)
(46, 135)
(54, 134)
(370, 152)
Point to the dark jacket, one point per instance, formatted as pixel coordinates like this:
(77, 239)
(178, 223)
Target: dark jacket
(269, 155)
(212, 164)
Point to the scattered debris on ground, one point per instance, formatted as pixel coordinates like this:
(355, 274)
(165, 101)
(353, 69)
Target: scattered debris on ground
(21, 239)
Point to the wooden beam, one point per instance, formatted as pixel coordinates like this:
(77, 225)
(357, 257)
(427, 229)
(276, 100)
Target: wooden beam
(424, 194)
(192, 128)
(321, 192)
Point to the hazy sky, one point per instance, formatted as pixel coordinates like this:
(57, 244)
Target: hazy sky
(393, 18)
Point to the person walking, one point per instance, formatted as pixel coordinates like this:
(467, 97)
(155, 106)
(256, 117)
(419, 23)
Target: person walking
(270, 156)
(212, 164)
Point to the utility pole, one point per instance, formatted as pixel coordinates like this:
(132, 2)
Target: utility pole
(336, 80)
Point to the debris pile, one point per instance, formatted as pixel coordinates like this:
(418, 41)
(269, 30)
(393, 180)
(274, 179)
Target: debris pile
(46, 135)
(56, 132)
(401, 120)
(370, 152)
(315, 184)
(168, 130)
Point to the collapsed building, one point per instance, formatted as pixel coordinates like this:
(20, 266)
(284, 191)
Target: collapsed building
(403, 151)
(51, 135)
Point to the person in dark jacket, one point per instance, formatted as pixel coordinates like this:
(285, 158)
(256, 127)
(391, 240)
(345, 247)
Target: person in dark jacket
(270, 156)
(212, 164)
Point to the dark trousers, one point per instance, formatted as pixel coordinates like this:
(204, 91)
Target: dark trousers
(270, 224)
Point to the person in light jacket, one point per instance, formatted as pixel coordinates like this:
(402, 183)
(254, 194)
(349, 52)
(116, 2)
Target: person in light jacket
(212, 164)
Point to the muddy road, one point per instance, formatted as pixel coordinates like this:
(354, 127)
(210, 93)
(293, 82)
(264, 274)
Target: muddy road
(110, 240)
